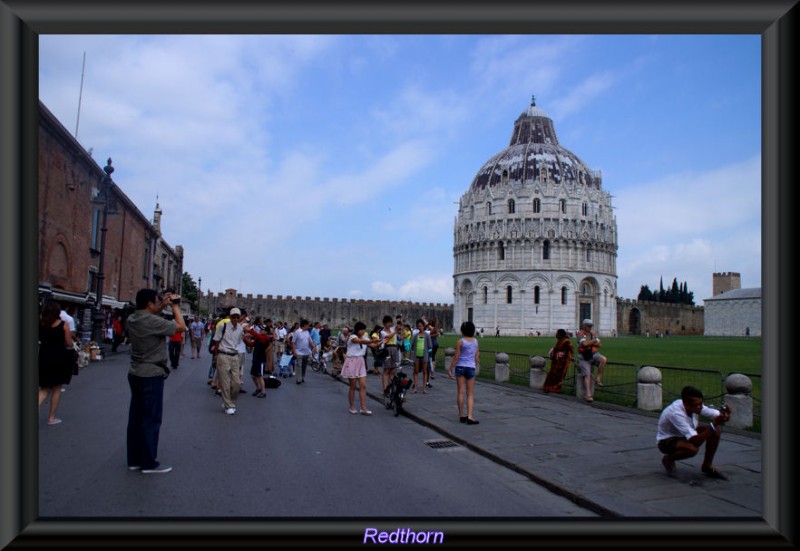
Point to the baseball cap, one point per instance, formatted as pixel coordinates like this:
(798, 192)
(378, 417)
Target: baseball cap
(235, 312)
(587, 321)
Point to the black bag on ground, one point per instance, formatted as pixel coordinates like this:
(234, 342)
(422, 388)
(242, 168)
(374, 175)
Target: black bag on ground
(271, 381)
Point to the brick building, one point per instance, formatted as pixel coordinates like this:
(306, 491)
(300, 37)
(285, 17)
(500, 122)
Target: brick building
(70, 236)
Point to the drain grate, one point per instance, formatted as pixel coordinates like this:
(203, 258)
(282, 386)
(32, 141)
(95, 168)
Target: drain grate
(441, 444)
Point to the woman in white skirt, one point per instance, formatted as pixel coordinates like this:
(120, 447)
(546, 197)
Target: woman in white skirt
(355, 368)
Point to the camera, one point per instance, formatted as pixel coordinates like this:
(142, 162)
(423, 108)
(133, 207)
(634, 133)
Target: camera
(175, 300)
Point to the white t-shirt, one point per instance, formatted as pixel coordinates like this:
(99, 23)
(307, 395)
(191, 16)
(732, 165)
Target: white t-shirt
(69, 320)
(674, 421)
(280, 333)
(302, 342)
(355, 349)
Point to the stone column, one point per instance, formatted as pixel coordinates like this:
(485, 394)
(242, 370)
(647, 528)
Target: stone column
(501, 371)
(739, 397)
(538, 374)
(648, 389)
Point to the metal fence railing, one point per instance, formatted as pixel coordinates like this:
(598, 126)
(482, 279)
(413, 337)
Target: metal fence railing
(620, 381)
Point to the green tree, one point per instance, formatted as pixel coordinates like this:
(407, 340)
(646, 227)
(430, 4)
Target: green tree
(189, 291)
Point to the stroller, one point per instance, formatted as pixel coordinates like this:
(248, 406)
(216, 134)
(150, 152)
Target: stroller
(285, 365)
(395, 394)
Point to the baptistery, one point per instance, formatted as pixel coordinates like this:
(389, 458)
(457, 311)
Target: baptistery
(535, 239)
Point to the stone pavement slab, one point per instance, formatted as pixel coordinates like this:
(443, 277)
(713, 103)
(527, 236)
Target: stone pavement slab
(600, 455)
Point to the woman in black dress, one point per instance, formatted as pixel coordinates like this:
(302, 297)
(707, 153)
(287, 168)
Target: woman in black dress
(55, 360)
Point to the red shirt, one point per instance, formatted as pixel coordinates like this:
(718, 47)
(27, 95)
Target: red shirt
(177, 337)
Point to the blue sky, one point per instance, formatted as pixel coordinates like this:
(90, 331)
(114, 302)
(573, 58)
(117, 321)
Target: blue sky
(332, 165)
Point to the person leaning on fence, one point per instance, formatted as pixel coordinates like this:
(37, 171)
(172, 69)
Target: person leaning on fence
(588, 356)
(560, 358)
(680, 434)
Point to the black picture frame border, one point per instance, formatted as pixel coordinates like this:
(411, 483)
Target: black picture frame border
(22, 21)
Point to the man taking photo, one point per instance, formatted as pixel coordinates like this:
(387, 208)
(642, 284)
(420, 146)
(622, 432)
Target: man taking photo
(146, 331)
(680, 434)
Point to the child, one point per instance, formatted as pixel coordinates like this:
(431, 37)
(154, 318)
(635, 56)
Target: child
(389, 336)
(407, 343)
(421, 345)
(463, 365)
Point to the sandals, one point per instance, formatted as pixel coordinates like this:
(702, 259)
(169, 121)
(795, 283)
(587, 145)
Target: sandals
(712, 472)
(366, 412)
(669, 466)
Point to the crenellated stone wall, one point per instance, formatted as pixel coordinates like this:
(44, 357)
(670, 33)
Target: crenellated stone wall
(335, 312)
(634, 317)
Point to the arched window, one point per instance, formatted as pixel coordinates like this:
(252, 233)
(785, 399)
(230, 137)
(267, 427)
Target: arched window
(537, 205)
(472, 212)
(536, 295)
(564, 295)
(546, 250)
(585, 209)
(588, 255)
(485, 295)
(512, 206)
(501, 251)
(563, 203)
(508, 295)
(488, 208)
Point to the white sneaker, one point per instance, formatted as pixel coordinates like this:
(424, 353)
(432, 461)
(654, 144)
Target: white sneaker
(230, 411)
(161, 469)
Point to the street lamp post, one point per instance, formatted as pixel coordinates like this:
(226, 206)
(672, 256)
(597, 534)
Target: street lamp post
(199, 293)
(97, 322)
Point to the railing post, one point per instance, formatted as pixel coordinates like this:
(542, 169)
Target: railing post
(501, 371)
(739, 397)
(538, 374)
(648, 388)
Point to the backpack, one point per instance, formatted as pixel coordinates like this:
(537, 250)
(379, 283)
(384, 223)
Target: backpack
(213, 345)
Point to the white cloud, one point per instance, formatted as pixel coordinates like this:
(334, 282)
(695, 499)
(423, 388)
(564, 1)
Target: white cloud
(688, 226)
(430, 288)
(583, 94)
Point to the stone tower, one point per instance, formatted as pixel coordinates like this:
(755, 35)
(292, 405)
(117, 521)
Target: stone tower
(726, 281)
(535, 239)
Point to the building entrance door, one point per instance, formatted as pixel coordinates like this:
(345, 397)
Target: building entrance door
(469, 314)
(586, 312)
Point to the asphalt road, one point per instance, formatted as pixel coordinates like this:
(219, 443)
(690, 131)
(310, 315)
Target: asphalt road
(297, 453)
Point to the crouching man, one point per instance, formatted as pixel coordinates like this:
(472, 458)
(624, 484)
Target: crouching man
(680, 434)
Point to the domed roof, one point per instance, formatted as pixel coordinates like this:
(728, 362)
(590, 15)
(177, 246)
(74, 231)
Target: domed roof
(534, 153)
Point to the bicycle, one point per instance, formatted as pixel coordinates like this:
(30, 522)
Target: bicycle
(320, 364)
(395, 393)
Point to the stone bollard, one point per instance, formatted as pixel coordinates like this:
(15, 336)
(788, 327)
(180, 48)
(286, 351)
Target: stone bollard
(501, 371)
(448, 357)
(739, 388)
(538, 374)
(648, 389)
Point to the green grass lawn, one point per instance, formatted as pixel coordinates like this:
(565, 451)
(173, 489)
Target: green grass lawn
(724, 354)
(702, 362)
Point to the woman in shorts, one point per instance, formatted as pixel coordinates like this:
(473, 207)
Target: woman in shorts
(463, 367)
